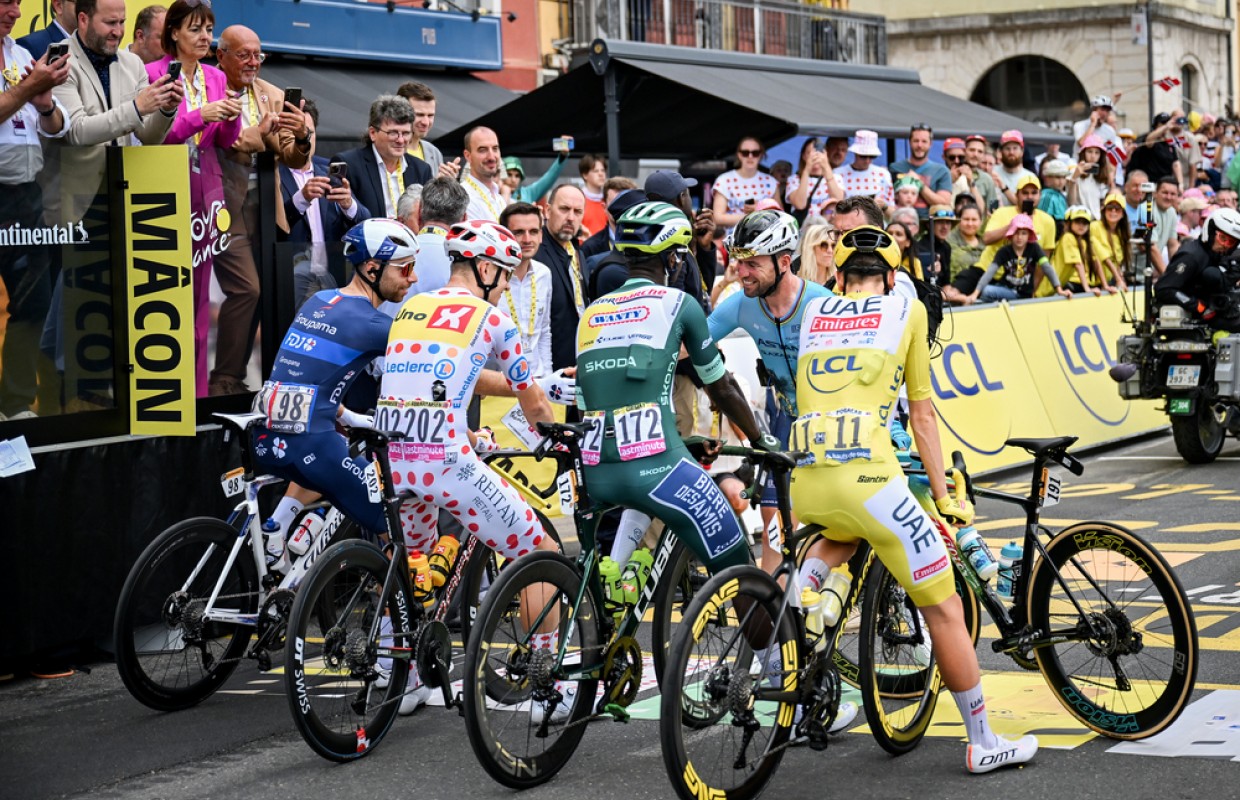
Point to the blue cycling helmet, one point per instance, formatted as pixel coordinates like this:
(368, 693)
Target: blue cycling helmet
(381, 239)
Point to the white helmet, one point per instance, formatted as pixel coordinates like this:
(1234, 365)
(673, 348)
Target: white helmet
(381, 239)
(763, 233)
(1226, 220)
(480, 238)
(1101, 101)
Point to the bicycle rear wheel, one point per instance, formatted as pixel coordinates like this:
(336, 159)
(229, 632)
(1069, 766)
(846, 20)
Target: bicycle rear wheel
(169, 655)
(526, 708)
(1128, 663)
(900, 679)
(333, 672)
(714, 670)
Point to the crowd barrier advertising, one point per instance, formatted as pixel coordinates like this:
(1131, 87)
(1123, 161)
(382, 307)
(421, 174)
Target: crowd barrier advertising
(1034, 370)
(503, 416)
(160, 291)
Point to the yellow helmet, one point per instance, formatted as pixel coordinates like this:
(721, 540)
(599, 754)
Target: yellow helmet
(867, 239)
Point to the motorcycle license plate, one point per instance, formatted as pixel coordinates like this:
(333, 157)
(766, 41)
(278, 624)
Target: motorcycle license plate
(1183, 375)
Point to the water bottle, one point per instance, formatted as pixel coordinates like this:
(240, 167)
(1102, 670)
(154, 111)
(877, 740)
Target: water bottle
(420, 573)
(306, 533)
(1009, 569)
(273, 542)
(609, 574)
(834, 590)
(812, 602)
(975, 550)
(634, 576)
(442, 558)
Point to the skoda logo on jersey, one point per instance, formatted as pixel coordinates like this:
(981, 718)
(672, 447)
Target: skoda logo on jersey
(520, 371)
(444, 369)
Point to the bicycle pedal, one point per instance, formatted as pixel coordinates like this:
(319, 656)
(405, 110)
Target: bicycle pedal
(617, 712)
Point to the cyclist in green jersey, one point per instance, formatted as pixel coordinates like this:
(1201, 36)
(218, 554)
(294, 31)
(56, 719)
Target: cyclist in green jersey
(628, 343)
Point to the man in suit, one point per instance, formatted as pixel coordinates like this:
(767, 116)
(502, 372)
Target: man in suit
(380, 170)
(108, 97)
(271, 126)
(64, 23)
(319, 214)
(422, 98)
(565, 207)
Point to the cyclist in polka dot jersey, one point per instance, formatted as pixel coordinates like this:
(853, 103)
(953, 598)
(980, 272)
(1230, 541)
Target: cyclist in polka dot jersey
(439, 343)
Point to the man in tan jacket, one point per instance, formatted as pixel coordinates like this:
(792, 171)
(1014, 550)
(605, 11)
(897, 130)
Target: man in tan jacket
(273, 126)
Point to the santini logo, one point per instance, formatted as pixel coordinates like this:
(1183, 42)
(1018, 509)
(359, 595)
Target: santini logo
(69, 233)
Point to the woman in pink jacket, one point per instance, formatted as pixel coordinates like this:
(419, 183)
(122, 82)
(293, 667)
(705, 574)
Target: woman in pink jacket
(209, 118)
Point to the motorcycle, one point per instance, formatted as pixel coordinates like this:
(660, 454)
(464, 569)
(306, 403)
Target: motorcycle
(1175, 356)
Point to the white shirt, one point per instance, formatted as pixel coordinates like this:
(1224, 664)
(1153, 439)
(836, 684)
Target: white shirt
(1011, 178)
(392, 183)
(872, 182)
(528, 303)
(21, 153)
(433, 267)
(1104, 132)
(485, 201)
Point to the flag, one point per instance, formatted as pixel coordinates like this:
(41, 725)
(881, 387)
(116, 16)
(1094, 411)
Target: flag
(1167, 84)
(1114, 154)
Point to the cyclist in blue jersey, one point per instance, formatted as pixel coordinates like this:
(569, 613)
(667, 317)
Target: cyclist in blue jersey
(336, 333)
(769, 308)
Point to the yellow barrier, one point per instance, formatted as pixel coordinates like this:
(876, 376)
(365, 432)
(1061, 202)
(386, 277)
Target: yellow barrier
(1034, 370)
(503, 416)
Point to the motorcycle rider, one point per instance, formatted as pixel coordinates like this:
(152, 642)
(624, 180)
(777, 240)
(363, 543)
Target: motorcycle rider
(1202, 275)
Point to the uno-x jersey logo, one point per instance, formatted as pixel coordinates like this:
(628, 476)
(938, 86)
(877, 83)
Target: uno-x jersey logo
(453, 317)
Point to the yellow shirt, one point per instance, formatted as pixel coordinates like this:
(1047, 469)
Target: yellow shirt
(1043, 225)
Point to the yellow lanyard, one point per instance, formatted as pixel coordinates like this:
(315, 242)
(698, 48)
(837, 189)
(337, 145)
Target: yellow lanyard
(433, 229)
(252, 113)
(395, 183)
(196, 98)
(485, 195)
(512, 309)
(575, 270)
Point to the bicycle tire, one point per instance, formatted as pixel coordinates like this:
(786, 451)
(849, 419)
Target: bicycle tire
(713, 664)
(168, 659)
(678, 585)
(485, 567)
(900, 678)
(1163, 668)
(331, 660)
(501, 730)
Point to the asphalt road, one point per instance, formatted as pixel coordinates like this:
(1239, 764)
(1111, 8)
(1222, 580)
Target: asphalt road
(85, 737)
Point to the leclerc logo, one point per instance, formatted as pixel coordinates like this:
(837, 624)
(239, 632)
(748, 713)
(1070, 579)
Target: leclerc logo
(1082, 354)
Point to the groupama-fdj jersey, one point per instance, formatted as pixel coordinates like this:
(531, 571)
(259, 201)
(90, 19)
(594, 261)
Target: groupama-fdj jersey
(332, 339)
(628, 343)
(855, 353)
(438, 345)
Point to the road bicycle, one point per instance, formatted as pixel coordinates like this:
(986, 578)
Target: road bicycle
(509, 685)
(1082, 615)
(201, 591)
(357, 625)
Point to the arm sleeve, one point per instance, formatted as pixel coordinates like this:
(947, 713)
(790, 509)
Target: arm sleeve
(917, 362)
(725, 318)
(512, 361)
(992, 269)
(703, 353)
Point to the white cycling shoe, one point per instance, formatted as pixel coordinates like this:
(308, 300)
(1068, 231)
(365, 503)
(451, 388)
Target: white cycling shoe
(1005, 753)
(414, 697)
(562, 710)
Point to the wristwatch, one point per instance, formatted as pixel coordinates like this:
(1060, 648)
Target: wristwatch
(49, 112)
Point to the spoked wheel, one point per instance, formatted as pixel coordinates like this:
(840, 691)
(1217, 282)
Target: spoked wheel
(678, 585)
(713, 672)
(526, 706)
(169, 654)
(1130, 660)
(342, 683)
(900, 680)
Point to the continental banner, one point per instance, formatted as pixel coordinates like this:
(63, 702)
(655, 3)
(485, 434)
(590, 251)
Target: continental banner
(534, 479)
(1033, 370)
(159, 287)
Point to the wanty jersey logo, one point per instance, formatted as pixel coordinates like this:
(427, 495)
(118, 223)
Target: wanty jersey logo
(453, 317)
(602, 318)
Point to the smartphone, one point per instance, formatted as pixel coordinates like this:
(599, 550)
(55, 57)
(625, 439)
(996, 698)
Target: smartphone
(1181, 120)
(1026, 206)
(1089, 169)
(752, 201)
(337, 171)
(174, 70)
(57, 50)
(562, 144)
(293, 95)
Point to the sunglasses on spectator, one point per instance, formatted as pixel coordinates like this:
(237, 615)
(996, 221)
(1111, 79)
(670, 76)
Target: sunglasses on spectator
(748, 153)
(955, 159)
(920, 126)
(196, 3)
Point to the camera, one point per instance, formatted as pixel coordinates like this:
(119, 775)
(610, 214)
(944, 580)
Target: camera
(1148, 187)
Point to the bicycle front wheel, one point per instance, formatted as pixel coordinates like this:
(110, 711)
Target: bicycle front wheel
(735, 658)
(526, 706)
(1124, 664)
(678, 585)
(900, 680)
(342, 684)
(171, 652)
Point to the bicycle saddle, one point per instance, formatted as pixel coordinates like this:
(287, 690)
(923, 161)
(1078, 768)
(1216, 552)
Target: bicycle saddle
(1039, 447)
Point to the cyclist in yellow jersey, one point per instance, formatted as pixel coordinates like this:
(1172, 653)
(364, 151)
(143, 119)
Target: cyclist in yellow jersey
(855, 352)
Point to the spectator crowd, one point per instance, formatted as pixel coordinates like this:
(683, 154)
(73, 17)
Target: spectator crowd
(988, 221)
